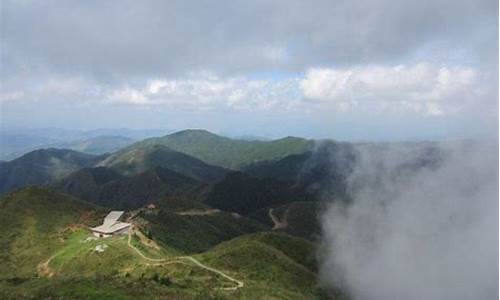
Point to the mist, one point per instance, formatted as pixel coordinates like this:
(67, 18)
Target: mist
(421, 223)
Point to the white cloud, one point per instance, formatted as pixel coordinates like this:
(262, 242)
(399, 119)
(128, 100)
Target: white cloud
(127, 95)
(11, 96)
(421, 88)
(207, 91)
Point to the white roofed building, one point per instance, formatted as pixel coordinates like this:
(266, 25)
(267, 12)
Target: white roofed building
(111, 226)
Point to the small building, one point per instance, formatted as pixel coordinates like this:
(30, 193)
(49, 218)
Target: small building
(111, 226)
(151, 206)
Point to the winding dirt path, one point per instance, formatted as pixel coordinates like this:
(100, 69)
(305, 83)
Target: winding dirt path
(163, 261)
(129, 242)
(45, 270)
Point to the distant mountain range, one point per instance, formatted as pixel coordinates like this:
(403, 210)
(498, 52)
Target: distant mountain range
(271, 172)
(42, 167)
(16, 142)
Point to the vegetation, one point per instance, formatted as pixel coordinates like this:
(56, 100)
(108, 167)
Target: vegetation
(34, 223)
(50, 254)
(212, 233)
(273, 265)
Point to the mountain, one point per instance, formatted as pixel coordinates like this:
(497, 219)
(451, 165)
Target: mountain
(135, 160)
(97, 145)
(106, 187)
(225, 152)
(322, 171)
(41, 167)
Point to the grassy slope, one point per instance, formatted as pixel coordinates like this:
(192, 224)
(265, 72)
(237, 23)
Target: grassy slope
(38, 224)
(272, 265)
(226, 152)
(34, 222)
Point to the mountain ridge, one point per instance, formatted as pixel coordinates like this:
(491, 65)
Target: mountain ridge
(226, 152)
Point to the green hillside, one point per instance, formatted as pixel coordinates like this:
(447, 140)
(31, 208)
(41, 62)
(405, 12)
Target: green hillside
(42, 167)
(225, 152)
(135, 160)
(34, 222)
(273, 265)
(48, 253)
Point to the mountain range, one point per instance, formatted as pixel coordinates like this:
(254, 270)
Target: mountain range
(203, 204)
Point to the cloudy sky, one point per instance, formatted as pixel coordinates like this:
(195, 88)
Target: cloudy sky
(347, 69)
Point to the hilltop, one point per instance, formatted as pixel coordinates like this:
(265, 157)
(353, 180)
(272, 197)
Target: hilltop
(134, 160)
(226, 152)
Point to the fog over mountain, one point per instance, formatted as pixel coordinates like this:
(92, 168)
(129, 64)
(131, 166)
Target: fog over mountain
(417, 229)
(263, 149)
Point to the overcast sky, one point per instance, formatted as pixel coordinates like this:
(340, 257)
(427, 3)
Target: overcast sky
(351, 70)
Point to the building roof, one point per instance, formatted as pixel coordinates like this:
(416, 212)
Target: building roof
(104, 228)
(111, 223)
(113, 216)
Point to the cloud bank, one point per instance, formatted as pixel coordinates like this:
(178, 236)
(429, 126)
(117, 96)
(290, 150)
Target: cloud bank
(418, 227)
